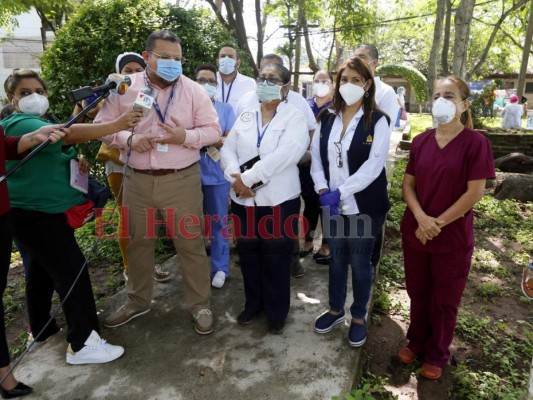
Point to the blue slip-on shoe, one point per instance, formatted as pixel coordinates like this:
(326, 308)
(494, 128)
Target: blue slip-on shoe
(357, 334)
(325, 322)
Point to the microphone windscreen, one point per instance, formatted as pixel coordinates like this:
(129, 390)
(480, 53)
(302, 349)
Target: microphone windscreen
(121, 83)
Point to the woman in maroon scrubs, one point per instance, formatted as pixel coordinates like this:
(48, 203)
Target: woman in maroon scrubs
(10, 148)
(445, 177)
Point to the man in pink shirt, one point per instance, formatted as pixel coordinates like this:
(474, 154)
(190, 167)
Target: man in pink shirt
(162, 173)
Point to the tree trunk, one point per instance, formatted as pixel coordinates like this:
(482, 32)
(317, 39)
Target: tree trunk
(463, 18)
(240, 33)
(493, 34)
(525, 53)
(333, 42)
(435, 48)
(298, 49)
(260, 31)
(446, 40)
(312, 63)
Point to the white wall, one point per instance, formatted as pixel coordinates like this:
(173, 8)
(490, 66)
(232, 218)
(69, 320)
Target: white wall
(21, 47)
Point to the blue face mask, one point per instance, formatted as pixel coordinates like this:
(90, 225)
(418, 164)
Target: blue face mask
(266, 92)
(211, 90)
(226, 65)
(169, 70)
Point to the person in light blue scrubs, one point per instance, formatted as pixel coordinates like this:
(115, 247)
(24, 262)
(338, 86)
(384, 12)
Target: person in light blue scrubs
(214, 186)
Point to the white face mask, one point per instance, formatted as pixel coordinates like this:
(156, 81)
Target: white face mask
(35, 104)
(226, 65)
(443, 111)
(320, 89)
(351, 93)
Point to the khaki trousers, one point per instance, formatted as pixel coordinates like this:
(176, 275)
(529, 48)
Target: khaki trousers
(178, 197)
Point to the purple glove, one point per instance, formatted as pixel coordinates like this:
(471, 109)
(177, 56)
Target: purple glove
(331, 200)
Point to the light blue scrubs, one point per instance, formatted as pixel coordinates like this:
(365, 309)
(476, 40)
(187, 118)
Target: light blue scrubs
(216, 194)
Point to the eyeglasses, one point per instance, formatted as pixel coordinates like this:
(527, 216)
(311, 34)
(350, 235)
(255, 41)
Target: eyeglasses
(324, 81)
(203, 81)
(338, 149)
(269, 81)
(165, 57)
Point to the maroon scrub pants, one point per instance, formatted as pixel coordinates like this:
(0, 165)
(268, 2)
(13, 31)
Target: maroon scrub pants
(435, 284)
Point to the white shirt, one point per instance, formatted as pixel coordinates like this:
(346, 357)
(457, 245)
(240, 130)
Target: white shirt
(512, 116)
(235, 90)
(284, 142)
(250, 100)
(340, 178)
(386, 100)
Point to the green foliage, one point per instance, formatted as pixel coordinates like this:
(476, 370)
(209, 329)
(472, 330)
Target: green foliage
(415, 78)
(505, 351)
(488, 290)
(86, 48)
(481, 105)
(371, 385)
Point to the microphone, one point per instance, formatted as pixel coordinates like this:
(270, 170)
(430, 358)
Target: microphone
(145, 100)
(115, 83)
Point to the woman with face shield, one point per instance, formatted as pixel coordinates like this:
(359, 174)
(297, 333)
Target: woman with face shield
(445, 177)
(260, 158)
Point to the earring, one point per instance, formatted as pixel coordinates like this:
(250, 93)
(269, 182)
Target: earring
(366, 94)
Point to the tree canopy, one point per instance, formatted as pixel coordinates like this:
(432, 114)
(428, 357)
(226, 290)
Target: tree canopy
(86, 48)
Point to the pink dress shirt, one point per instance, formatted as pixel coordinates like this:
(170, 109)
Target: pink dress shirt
(190, 104)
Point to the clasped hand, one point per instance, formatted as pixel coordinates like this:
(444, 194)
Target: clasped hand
(240, 188)
(331, 200)
(173, 135)
(428, 228)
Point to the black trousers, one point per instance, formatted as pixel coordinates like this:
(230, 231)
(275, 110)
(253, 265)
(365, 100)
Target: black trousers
(6, 241)
(265, 247)
(54, 262)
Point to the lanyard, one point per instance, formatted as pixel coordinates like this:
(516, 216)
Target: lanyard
(259, 133)
(226, 99)
(162, 116)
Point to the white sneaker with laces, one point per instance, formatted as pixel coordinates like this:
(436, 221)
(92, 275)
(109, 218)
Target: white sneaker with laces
(95, 351)
(219, 279)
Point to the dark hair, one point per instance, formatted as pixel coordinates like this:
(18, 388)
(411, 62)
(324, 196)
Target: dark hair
(231, 46)
(163, 34)
(372, 50)
(278, 59)
(330, 75)
(205, 67)
(13, 80)
(7, 111)
(283, 72)
(466, 116)
(369, 104)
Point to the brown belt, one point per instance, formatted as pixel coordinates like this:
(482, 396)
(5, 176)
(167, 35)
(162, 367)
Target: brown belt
(160, 172)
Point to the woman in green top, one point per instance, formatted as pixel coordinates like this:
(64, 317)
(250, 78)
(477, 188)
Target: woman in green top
(40, 194)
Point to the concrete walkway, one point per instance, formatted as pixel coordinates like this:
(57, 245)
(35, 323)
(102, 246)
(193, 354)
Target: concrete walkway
(166, 359)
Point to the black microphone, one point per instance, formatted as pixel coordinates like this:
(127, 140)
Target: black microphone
(115, 84)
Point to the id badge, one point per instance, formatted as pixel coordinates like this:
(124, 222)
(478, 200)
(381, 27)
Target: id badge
(163, 148)
(213, 152)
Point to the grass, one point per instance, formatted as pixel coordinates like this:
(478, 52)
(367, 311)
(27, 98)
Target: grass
(498, 352)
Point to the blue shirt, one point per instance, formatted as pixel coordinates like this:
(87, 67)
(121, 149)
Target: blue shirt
(210, 170)
(316, 109)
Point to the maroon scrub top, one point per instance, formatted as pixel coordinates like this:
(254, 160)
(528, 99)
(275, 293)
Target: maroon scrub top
(441, 177)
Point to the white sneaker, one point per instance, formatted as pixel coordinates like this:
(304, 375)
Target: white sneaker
(219, 279)
(95, 351)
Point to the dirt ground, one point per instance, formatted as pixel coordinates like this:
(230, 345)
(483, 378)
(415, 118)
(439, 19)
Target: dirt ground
(387, 332)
